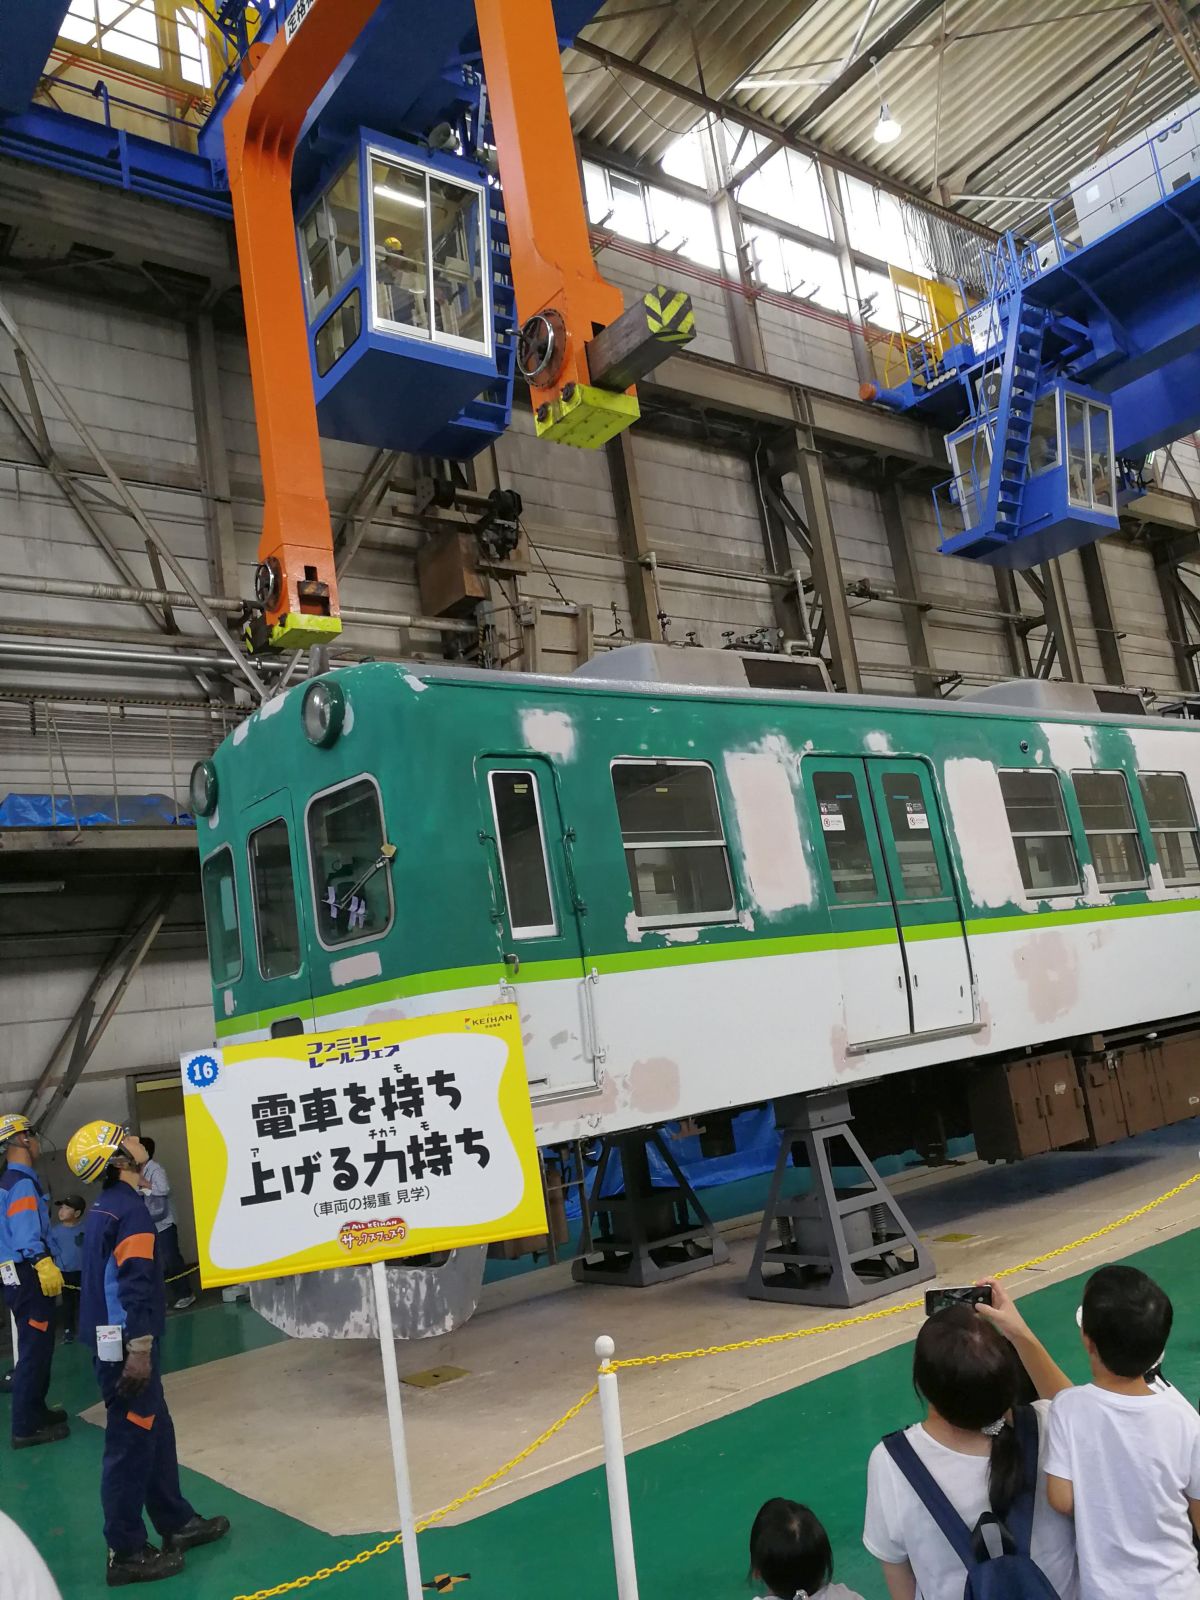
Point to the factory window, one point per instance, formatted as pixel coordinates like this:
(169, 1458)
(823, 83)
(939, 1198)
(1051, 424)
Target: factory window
(877, 301)
(428, 244)
(844, 833)
(352, 884)
(195, 63)
(1040, 831)
(877, 224)
(1172, 816)
(675, 224)
(920, 874)
(788, 186)
(517, 811)
(274, 887)
(127, 28)
(331, 239)
(800, 270)
(221, 917)
(1112, 831)
(674, 842)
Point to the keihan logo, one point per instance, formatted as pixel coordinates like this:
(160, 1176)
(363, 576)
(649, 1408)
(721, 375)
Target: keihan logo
(366, 1235)
(203, 1072)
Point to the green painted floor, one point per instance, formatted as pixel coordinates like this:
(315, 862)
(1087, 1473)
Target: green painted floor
(694, 1497)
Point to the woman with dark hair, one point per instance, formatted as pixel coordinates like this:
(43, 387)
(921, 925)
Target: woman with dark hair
(967, 1374)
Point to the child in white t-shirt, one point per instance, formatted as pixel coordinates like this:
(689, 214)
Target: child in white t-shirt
(790, 1553)
(1123, 1457)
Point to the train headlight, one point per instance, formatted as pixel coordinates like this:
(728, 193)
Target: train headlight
(202, 790)
(323, 711)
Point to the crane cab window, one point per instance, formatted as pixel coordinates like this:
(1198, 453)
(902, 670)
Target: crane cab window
(274, 890)
(851, 870)
(221, 917)
(1040, 831)
(674, 842)
(520, 834)
(1172, 818)
(352, 886)
(1111, 830)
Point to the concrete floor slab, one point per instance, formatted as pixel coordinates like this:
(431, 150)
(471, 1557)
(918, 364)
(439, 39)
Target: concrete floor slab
(301, 1427)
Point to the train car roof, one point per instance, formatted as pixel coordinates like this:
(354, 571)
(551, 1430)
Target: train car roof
(580, 683)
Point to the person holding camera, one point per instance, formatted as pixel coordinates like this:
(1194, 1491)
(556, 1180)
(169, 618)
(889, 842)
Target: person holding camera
(969, 1479)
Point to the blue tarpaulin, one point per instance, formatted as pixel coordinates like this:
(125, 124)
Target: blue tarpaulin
(92, 811)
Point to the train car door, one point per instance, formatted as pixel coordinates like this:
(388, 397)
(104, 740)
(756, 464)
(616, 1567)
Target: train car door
(537, 916)
(858, 892)
(927, 909)
(278, 946)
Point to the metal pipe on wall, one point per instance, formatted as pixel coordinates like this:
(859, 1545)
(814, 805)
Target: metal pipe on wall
(78, 589)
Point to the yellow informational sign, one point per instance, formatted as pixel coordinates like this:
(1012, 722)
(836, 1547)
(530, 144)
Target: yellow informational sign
(388, 1139)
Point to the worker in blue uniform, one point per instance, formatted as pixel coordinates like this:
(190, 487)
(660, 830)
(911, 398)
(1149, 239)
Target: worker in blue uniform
(122, 1318)
(32, 1282)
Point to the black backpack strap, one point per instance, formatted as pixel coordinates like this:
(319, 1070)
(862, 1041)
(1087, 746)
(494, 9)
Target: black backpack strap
(925, 1486)
(1020, 1514)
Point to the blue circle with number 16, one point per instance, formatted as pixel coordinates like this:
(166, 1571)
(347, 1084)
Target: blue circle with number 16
(203, 1071)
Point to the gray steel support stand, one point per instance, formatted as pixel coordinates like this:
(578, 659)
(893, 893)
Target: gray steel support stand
(647, 1234)
(835, 1247)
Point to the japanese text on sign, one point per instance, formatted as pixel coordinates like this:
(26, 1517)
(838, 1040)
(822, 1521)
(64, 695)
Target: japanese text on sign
(311, 1151)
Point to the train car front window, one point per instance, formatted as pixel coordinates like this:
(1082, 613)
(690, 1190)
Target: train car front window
(674, 841)
(221, 917)
(274, 900)
(1040, 831)
(351, 878)
(1111, 829)
(1168, 803)
(517, 811)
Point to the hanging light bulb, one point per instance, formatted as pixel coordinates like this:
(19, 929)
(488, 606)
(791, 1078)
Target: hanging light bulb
(887, 129)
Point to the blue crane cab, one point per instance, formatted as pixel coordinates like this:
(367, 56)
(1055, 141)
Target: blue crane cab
(410, 310)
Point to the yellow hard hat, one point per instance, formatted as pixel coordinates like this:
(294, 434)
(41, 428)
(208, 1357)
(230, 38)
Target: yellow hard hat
(12, 1124)
(93, 1147)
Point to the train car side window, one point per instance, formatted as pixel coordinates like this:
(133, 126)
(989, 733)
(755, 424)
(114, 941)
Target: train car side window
(844, 833)
(1040, 831)
(221, 917)
(920, 874)
(1168, 802)
(520, 833)
(674, 841)
(352, 884)
(275, 921)
(1111, 828)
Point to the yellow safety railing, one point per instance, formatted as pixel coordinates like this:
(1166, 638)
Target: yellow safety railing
(663, 1357)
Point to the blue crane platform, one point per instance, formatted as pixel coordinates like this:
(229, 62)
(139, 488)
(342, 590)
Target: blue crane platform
(1083, 359)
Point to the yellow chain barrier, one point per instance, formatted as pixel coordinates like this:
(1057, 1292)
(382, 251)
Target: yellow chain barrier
(765, 1340)
(908, 1305)
(434, 1517)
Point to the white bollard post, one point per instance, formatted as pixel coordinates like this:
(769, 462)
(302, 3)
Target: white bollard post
(614, 1468)
(391, 1384)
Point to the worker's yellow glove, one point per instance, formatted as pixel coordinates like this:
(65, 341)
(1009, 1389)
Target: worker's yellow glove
(49, 1276)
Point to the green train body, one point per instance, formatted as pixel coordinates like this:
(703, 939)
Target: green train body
(858, 887)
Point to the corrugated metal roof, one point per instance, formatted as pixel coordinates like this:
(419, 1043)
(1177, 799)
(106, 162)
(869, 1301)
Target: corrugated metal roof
(994, 99)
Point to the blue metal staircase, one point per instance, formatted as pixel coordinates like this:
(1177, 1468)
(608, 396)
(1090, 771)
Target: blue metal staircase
(1018, 391)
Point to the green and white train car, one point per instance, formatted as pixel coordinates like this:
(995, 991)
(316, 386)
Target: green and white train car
(700, 897)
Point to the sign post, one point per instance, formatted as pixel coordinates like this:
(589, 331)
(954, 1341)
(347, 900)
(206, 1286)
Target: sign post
(382, 1141)
(391, 1385)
